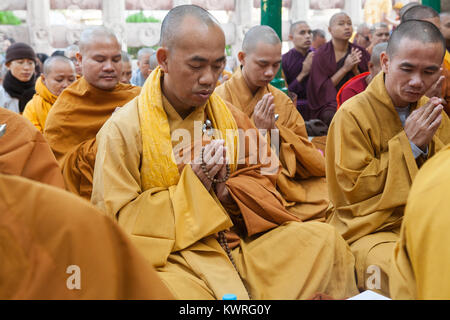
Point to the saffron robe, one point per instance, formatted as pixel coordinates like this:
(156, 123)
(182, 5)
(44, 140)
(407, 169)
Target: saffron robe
(446, 85)
(352, 87)
(58, 246)
(74, 120)
(175, 227)
(292, 64)
(24, 151)
(321, 90)
(370, 169)
(302, 180)
(37, 109)
(421, 254)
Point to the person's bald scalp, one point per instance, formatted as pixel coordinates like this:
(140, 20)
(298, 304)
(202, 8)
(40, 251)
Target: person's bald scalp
(172, 23)
(336, 16)
(92, 34)
(419, 12)
(258, 34)
(50, 62)
(295, 24)
(376, 53)
(415, 30)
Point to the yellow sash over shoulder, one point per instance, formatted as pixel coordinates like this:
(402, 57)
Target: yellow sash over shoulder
(158, 168)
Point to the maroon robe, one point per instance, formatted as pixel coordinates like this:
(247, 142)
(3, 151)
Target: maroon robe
(292, 64)
(321, 91)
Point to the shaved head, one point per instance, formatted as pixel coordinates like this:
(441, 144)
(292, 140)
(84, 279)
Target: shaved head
(334, 18)
(415, 30)
(376, 53)
(153, 61)
(91, 35)
(294, 25)
(407, 7)
(50, 62)
(259, 34)
(420, 12)
(171, 25)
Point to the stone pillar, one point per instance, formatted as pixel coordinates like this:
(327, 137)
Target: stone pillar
(354, 9)
(299, 10)
(38, 21)
(114, 19)
(177, 3)
(242, 19)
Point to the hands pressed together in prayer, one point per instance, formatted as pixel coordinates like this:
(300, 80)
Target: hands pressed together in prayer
(214, 158)
(306, 67)
(436, 89)
(423, 123)
(264, 113)
(352, 61)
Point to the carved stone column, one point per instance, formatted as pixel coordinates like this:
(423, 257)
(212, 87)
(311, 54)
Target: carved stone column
(299, 10)
(354, 9)
(242, 19)
(114, 19)
(38, 21)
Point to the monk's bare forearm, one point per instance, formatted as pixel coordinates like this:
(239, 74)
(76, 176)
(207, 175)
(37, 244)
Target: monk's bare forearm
(339, 75)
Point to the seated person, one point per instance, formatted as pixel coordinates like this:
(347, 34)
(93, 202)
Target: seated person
(376, 144)
(359, 83)
(333, 65)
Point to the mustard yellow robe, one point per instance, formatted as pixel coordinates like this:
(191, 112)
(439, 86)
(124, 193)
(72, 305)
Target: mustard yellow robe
(302, 180)
(24, 151)
(370, 169)
(176, 227)
(37, 109)
(421, 255)
(71, 126)
(46, 231)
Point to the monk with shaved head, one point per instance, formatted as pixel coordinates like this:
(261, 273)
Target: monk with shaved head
(441, 88)
(302, 180)
(84, 106)
(58, 74)
(192, 181)
(334, 64)
(376, 144)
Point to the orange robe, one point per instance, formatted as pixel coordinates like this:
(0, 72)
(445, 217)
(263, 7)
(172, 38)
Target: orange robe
(24, 151)
(72, 124)
(446, 85)
(302, 180)
(37, 109)
(55, 245)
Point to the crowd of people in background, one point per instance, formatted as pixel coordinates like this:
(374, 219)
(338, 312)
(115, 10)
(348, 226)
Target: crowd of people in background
(361, 114)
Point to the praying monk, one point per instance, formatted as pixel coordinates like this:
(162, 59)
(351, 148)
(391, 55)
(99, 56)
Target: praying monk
(421, 255)
(24, 151)
(302, 180)
(82, 108)
(209, 219)
(57, 246)
(359, 83)
(334, 64)
(376, 144)
(442, 87)
(58, 73)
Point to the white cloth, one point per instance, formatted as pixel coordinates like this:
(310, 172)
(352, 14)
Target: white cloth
(8, 102)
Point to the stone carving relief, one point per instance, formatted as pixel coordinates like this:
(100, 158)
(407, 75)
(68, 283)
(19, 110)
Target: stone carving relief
(76, 4)
(149, 4)
(6, 5)
(227, 5)
(143, 34)
(327, 4)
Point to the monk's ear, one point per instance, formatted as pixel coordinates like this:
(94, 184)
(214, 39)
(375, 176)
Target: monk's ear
(162, 55)
(79, 57)
(241, 57)
(384, 60)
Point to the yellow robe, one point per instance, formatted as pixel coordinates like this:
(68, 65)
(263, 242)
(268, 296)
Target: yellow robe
(421, 256)
(175, 227)
(446, 85)
(370, 169)
(302, 180)
(24, 151)
(38, 108)
(71, 126)
(53, 241)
